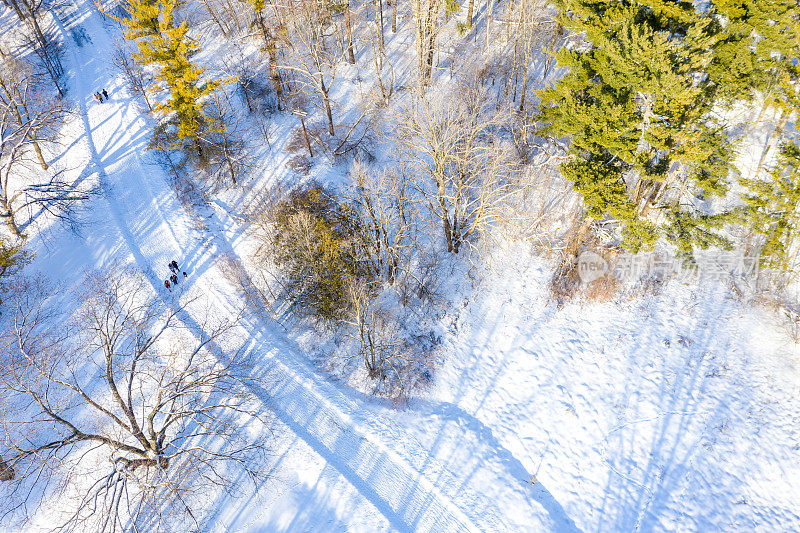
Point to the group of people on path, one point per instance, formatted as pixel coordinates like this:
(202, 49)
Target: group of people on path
(172, 281)
(100, 95)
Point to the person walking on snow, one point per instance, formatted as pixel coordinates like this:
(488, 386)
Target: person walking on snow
(166, 284)
(98, 97)
(172, 267)
(174, 279)
(105, 94)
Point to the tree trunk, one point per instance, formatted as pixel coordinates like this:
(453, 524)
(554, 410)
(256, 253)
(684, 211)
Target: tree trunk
(448, 230)
(379, 22)
(576, 240)
(305, 134)
(456, 230)
(776, 134)
(351, 58)
(489, 7)
(15, 97)
(426, 36)
(15, 5)
(230, 166)
(146, 99)
(470, 10)
(246, 94)
(327, 100)
(430, 51)
(8, 214)
(445, 214)
(216, 18)
(525, 61)
(48, 63)
(516, 73)
(394, 15)
(35, 24)
(274, 73)
(199, 149)
(227, 153)
(39, 155)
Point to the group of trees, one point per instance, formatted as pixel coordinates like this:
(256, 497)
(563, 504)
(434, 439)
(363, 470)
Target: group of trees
(31, 14)
(29, 119)
(641, 102)
(117, 400)
(343, 254)
(32, 109)
(194, 117)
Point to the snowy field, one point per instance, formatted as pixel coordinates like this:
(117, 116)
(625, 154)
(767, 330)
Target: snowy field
(676, 409)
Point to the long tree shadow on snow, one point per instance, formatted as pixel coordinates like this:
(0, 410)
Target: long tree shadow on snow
(657, 452)
(485, 454)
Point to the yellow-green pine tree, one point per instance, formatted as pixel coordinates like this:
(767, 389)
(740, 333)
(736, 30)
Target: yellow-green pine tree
(163, 42)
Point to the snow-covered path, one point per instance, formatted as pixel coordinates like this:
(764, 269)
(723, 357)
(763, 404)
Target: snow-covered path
(464, 481)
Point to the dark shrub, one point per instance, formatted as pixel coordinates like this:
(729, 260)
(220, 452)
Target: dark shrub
(318, 241)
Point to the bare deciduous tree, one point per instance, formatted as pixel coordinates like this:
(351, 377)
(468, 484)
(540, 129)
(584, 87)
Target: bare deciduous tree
(375, 330)
(524, 15)
(427, 14)
(310, 55)
(225, 149)
(267, 31)
(22, 96)
(382, 197)
(453, 143)
(29, 117)
(121, 395)
(348, 23)
(30, 12)
(138, 77)
(395, 355)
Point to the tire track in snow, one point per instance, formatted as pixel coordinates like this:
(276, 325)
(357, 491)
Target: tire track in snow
(404, 496)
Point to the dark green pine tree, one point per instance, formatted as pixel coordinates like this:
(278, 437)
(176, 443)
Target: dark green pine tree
(771, 208)
(636, 103)
(758, 42)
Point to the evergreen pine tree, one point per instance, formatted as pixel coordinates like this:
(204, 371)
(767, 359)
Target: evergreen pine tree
(164, 42)
(636, 105)
(772, 207)
(12, 259)
(759, 54)
(757, 51)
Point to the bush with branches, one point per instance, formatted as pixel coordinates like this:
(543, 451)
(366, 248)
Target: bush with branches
(318, 241)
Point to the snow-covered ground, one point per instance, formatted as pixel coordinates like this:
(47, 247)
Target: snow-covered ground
(675, 410)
